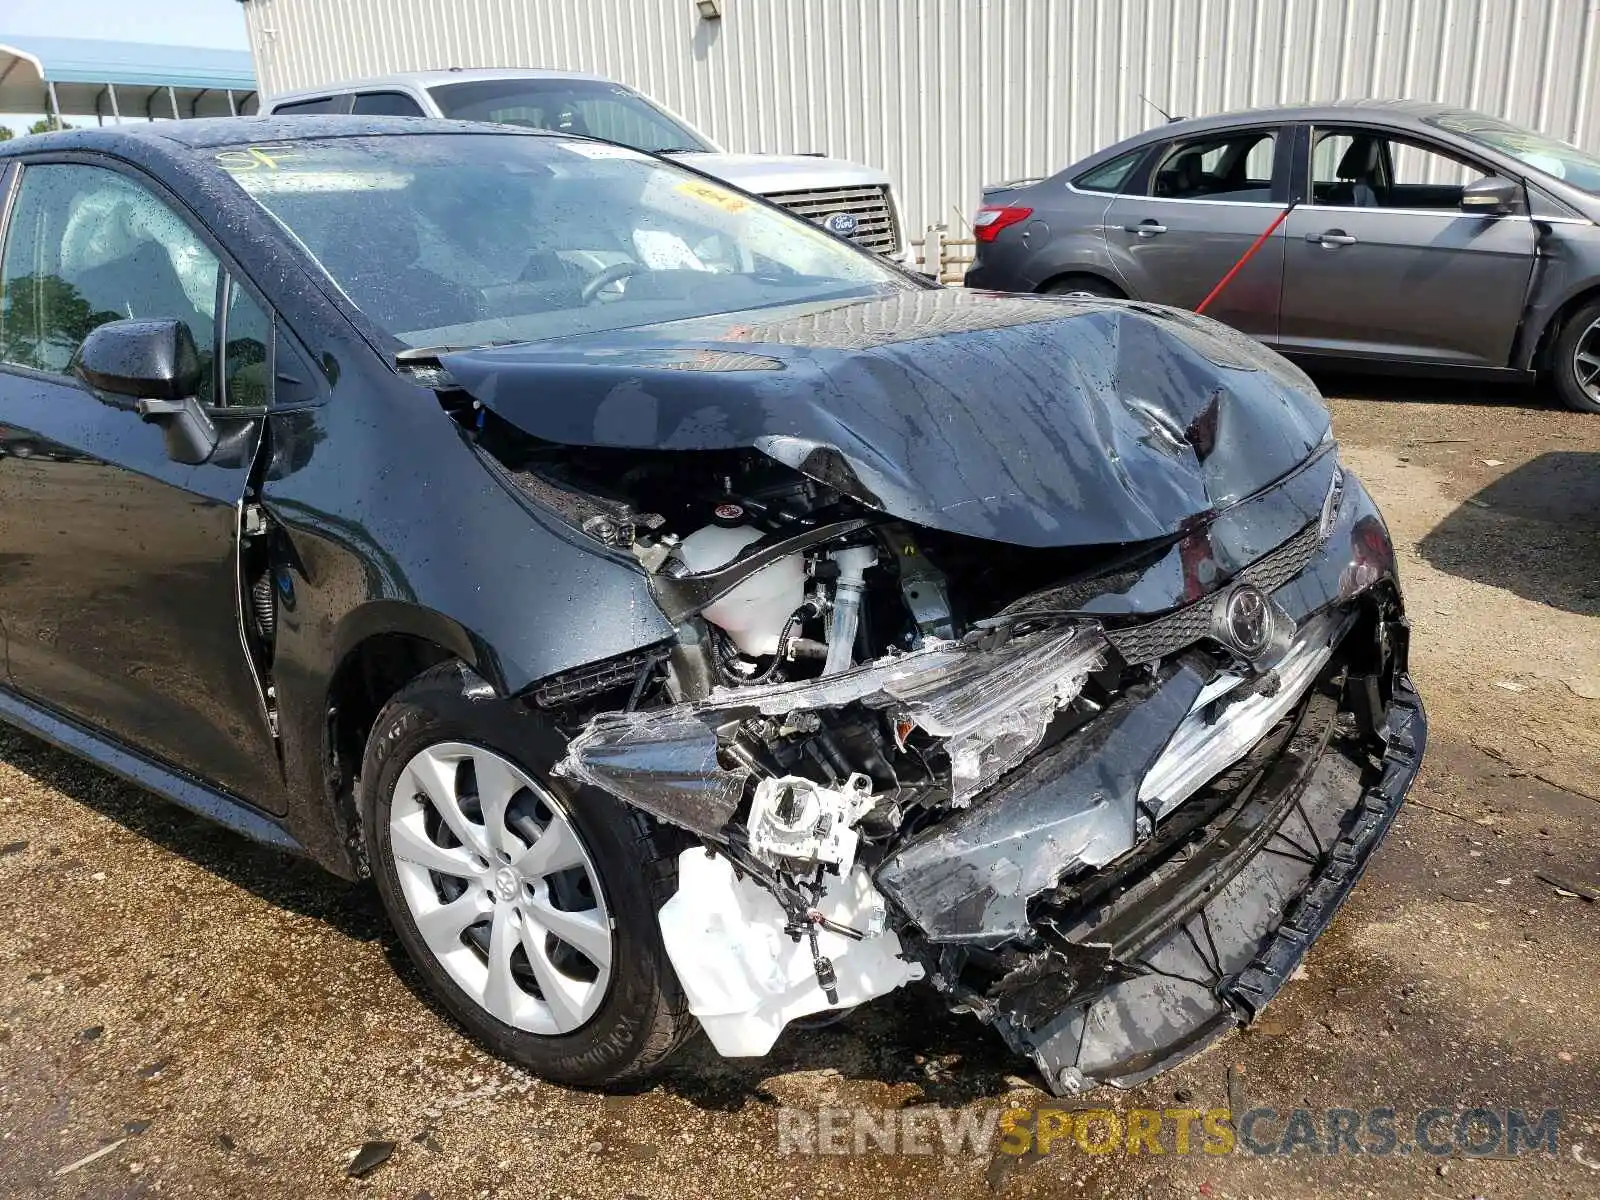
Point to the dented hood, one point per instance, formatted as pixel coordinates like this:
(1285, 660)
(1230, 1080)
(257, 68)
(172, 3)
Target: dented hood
(1028, 420)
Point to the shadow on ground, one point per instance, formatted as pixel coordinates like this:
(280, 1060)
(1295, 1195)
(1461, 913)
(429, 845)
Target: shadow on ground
(908, 1037)
(1382, 388)
(278, 878)
(1534, 531)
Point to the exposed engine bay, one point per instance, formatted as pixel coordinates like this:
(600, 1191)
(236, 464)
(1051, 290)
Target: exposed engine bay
(901, 753)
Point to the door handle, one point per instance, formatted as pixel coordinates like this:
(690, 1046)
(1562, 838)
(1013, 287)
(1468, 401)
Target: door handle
(1332, 238)
(1145, 228)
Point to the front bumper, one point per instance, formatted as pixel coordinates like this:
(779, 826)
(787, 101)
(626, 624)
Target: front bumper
(1158, 956)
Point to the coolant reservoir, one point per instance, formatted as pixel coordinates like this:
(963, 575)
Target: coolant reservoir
(754, 613)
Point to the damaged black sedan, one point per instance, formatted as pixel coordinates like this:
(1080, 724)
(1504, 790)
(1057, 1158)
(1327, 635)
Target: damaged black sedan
(687, 619)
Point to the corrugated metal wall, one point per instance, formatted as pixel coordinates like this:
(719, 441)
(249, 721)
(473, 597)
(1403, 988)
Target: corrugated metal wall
(950, 94)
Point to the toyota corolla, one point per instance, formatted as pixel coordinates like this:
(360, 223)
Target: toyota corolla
(687, 620)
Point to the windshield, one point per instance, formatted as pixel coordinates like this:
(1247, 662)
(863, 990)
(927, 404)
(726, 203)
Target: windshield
(1559, 159)
(467, 239)
(591, 107)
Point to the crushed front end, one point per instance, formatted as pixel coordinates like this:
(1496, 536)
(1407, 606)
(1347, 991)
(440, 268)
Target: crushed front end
(1107, 814)
(1039, 651)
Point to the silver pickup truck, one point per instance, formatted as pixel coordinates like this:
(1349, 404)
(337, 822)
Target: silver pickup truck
(845, 197)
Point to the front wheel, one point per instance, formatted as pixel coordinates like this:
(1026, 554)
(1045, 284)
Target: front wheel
(528, 907)
(1576, 360)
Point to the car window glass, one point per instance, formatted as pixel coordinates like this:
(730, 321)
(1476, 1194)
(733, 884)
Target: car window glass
(322, 104)
(1233, 167)
(386, 104)
(592, 107)
(246, 358)
(464, 239)
(1109, 177)
(1566, 162)
(1416, 166)
(1360, 169)
(87, 245)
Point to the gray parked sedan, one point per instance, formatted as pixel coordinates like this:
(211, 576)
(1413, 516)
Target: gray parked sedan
(1426, 238)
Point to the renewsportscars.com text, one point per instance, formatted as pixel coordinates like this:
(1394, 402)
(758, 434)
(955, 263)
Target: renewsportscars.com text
(1374, 1132)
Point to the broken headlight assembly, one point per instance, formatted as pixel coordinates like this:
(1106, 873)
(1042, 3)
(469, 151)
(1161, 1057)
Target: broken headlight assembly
(776, 915)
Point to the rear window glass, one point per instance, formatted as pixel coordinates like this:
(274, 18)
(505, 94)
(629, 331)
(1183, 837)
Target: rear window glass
(591, 107)
(386, 104)
(322, 104)
(1109, 177)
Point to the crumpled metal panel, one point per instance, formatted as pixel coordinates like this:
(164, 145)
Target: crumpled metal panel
(1028, 420)
(969, 879)
(1226, 723)
(992, 706)
(1217, 967)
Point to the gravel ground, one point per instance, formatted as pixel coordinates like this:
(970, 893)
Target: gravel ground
(220, 1020)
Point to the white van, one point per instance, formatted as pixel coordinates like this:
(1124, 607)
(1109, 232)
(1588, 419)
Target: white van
(846, 198)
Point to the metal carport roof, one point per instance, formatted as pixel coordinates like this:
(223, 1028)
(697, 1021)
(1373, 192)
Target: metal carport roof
(89, 77)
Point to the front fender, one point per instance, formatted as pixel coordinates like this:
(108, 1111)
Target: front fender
(388, 522)
(395, 616)
(1568, 267)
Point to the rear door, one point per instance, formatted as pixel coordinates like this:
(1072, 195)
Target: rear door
(119, 581)
(1203, 200)
(1383, 264)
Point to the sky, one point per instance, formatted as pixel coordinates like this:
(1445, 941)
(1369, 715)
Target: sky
(215, 23)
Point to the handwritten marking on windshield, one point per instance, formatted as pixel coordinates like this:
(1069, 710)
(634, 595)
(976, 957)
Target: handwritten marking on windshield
(254, 158)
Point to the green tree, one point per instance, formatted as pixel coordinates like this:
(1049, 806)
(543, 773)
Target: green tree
(48, 125)
(45, 320)
(5, 133)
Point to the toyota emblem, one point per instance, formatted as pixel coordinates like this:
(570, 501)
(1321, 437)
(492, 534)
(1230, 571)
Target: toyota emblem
(1247, 620)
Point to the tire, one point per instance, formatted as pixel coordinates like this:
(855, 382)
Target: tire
(1575, 360)
(1083, 285)
(614, 1009)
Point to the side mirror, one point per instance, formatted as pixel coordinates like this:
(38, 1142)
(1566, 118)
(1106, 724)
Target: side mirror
(156, 363)
(1491, 196)
(144, 359)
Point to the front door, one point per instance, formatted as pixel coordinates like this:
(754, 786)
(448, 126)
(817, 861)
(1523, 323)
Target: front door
(118, 572)
(1382, 263)
(1206, 200)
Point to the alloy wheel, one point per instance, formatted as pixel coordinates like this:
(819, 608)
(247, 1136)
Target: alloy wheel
(1586, 361)
(501, 888)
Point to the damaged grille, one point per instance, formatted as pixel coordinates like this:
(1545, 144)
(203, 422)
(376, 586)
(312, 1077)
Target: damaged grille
(1155, 640)
(875, 229)
(1273, 570)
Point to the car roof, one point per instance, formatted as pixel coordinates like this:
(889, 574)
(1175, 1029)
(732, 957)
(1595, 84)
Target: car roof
(424, 79)
(1409, 113)
(1416, 117)
(210, 132)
